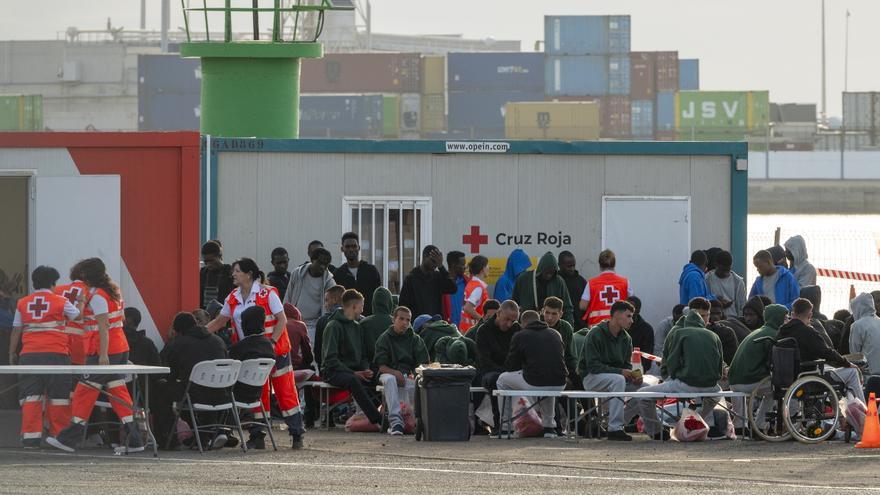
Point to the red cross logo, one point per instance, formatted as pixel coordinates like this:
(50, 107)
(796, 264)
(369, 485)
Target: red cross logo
(475, 239)
(37, 307)
(609, 295)
(71, 294)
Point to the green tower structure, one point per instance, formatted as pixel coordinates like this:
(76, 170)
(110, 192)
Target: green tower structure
(251, 88)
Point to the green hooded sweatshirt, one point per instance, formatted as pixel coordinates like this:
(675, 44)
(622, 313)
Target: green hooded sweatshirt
(525, 290)
(693, 354)
(404, 352)
(432, 332)
(605, 353)
(443, 351)
(567, 332)
(345, 346)
(376, 324)
(751, 363)
(577, 341)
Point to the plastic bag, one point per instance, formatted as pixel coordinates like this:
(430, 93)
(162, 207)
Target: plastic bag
(184, 432)
(690, 427)
(359, 423)
(527, 424)
(855, 414)
(409, 418)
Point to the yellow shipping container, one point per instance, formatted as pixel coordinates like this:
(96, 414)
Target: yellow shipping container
(433, 117)
(433, 74)
(568, 121)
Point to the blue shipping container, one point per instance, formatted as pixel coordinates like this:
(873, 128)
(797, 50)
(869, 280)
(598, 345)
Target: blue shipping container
(495, 71)
(586, 34)
(642, 118)
(341, 116)
(689, 74)
(665, 111)
(168, 112)
(618, 75)
(169, 74)
(480, 114)
(590, 75)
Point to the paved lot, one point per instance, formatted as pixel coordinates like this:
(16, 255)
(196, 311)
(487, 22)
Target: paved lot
(339, 462)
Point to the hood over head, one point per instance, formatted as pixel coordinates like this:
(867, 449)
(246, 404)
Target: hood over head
(862, 306)
(756, 305)
(517, 262)
(774, 316)
(547, 262)
(292, 312)
(798, 248)
(383, 304)
(812, 293)
(778, 254)
(693, 319)
(457, 352)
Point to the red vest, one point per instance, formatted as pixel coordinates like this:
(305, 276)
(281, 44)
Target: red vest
(118, 343)
(43, 323)
(76, 329)
(466, 320)
(605, 289)
(282, 347)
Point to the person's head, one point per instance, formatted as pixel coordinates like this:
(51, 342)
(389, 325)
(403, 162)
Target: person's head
(212, 254)
(321, 260)
(280, 259)
(429, 262)
(763, 262)
(95, 275)
(44, 277)
(699, 259)
(507, 315)
(202, 317)
(252, 320)
(802, 309)
(455, 262)
(777, 254)
(723, 264)
(636, 303)
(490, 307)
(132, 317)
(351, 247)
(753, 312)
(183, 322)
(333, 296)
(716, 311)
(76, 271)
(621, 315)
(529, 317)
(402, 319)
(547, 267)
(702, 306)
(607, 260)
(677, 311)
(479, 266)
(312, 246)
(842, 315)
(567, 263)
(352, 303)
(245, 272)
(711, 253)
(552, 310)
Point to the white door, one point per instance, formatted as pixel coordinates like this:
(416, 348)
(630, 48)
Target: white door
(651, 238)
(77, 218)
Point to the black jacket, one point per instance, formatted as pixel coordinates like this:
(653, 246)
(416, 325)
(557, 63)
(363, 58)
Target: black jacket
(738, 327)
(810, 344)
(493, 346)
(423, 292)
(729, 342)
(576, 285)
(538, 351)
(251, 347)
(642, 335)
(141, 350)
(368, 280)
(280, 281)
(184, 351)
(221, 279)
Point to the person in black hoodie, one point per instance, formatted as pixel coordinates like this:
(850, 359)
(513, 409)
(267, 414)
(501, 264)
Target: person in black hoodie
(717, 325)
(536, 361)
(141, 350)
(641, 332)
(753, 313)
(356, 273)
(493, 345)
(423, 288)
(575, 283)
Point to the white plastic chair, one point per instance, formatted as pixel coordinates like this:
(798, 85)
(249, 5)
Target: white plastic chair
(255, 373)
(216, 374)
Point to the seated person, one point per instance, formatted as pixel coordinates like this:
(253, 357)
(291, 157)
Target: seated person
(606, 366)
(812, 347)
(399, 351)
(490, 307)
(433, 331)
(254, 345)
(332, 304)
(456, 350)
(536, 361)
(719, 327)
(345, 347)
(551, 312)
(493, 344)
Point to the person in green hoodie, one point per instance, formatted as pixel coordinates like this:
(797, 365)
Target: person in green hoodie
(346, 362)
(399, 351)
(692, 361)
(456, 350)
(434, 331)
(751, 363)
(376, 324)
(534, 286)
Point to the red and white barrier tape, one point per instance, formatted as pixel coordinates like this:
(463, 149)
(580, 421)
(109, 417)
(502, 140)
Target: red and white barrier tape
(863, 277)
(651, 357)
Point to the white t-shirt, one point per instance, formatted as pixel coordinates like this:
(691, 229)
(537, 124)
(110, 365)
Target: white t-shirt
(275, 305)
(98, 304)
(586, 294)
(70, 311)
(477, 293)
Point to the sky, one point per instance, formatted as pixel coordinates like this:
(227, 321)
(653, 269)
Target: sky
(742, 45)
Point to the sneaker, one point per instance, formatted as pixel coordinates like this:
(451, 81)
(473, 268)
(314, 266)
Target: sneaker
(58, 444)
(257, 442)
(31, 444)
(716, 434)
(619, 436)
(231, 442)
(296, 442)
(662, 436)
(135, 442)
(742, 432)
(550, 433)
(396, 430)
(218, 441)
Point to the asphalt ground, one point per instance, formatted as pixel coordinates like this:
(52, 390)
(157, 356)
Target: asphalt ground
(340, 462)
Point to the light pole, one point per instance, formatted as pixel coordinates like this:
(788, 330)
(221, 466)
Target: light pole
(846, 56)
(824, 105)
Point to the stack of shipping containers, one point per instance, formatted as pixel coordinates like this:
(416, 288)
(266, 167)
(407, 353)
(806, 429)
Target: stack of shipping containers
(433, 115)
(721, 115)
(169, 93)
(861, 121)
(21, 113)
(651, 74)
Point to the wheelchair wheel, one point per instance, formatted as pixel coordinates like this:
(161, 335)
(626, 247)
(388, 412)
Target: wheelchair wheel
(810, 409)
(774, 429)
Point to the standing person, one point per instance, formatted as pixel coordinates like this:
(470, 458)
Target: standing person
(332, 304)
(310, 250)
(308, 283)
(517, 263)
(777, 253)
(423, 288)
(640, 331)
(39, 325)
(399, 351)
(774, 282)
(575, 282)
(75, 328)
(603, 290)
(356, 273)
(493, 345)
(476, 293)
(727, 286)
(453, 303)
(215, 277)
(692, 282)
(106, 345)
(864, 334)
(801, 268)
(250, 292)
(534, 286)
(375, 325)
(279, 277)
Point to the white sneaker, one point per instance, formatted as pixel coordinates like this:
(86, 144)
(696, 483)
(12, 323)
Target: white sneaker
(58, 445)
(396, 430)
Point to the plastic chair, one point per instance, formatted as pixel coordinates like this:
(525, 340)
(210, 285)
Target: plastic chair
(255, 373)
(215, 374)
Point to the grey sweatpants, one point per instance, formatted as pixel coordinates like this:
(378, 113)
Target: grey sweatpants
(649, 413)
(546, 406)
(393, 394)
(618, 415)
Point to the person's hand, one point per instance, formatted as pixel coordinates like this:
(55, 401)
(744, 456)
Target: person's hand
(437, 256)
(725, 303)
(364, 375)
(103, 360)
(724, 372)
(638, 381)
(401, 380)
(628, 374)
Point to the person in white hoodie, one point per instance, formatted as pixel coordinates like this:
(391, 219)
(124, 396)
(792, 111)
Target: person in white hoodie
(801, 268)
(864, 336)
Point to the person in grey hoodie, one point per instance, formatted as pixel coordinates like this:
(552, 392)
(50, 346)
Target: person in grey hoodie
(803, 270)
(307, 286)
(864, 335)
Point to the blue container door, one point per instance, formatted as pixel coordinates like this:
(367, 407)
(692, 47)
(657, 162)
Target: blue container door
(619, 34)
(642, 118)
(689, 74)
(575, 35)
(169, 74)
(618, 74)
(666, 111)
(480, 114)
(578, 76)
(495, 71)
(168, 112)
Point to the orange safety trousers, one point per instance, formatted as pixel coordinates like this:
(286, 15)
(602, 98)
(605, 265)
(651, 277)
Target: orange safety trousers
(284, 385)
(87, 391)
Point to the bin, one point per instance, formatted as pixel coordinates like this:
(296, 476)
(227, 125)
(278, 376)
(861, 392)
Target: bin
(442, 403)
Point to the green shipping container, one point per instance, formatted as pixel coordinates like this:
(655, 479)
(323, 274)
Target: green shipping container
(391, 116)
(718, 112)
(21, 113)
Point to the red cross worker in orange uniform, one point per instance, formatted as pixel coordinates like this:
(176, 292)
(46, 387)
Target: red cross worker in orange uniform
(75, 328)
(604, 290)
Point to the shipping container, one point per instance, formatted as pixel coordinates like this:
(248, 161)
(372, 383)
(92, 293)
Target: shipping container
(793, 112)
(433, 74)
(480, 114)
(492, 71)
(21, 113)
(587, 35)
(390, 116)
(711, 112)
(665, 111)
(362, 73)
(643, 83)
(616, 117)
(410, 109)
(854, 141)
(642, 118)
(433, 116)
(337, 116)
(168, 112)
(861, 111)
(689, 74)
(667, 71)
(565, 121)
(169, 93)
(592, 75)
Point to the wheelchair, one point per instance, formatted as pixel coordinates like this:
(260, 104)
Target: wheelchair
(805, 398)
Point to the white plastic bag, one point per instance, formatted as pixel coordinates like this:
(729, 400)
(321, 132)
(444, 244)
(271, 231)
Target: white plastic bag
(690, 427)
(855, 414)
